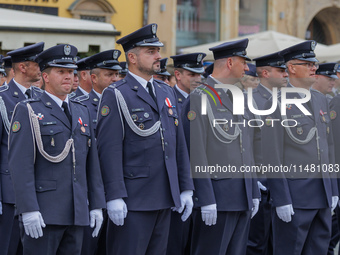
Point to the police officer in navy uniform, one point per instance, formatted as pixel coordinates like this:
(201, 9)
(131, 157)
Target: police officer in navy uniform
(163, 74)
(302, 200)
(326, 76)
(188, 71)
(142, 151)
(84, 76)
(223, 202)
(272, 74)
(27, 71)
(105, 69)
(57, 181)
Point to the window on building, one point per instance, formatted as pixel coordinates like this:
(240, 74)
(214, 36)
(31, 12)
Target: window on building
(252, 16)
(197, 22)
(99, 10)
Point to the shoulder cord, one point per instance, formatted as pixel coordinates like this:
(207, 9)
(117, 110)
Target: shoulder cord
(35, 128)
(4, 115)
(230, 138)
(123, 106)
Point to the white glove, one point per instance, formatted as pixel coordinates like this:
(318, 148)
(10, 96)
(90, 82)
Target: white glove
(335, 200)
(261, 186)
(186, 201)
(33, 223)
(96, 219)
(117, 211)
(255, 208)
(0, 208)
(285, 212)
(209, 214)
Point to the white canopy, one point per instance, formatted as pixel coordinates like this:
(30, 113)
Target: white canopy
(19, 27)
(260, 44)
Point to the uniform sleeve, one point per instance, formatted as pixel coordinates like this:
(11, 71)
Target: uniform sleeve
(110, 136)
(272, 149)
(95, 185)
(21, 160)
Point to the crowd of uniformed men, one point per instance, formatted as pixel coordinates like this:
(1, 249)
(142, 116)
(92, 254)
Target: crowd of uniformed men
(105, 169)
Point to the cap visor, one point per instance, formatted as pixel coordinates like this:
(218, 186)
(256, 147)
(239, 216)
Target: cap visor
(199, 70)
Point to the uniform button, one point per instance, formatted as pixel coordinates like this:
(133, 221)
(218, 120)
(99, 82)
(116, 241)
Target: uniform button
(196, 198)
(215, 176)
(40, 187)
(131, 175)
(75, 179)
(321, 150)
(51, 131)
(166, 157)
(244, 149)
(163, 129)
(6, 171)
(166, 144)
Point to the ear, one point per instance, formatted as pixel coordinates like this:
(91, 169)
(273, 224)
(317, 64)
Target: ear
(94, 78)
(291, 68)
(265, 73)
(22, 67)
(45, 76)
(177, 75)
(229, 63)
(83, 75)
(132, 57)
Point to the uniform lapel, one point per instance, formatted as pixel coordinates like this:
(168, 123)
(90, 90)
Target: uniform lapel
(141, 92)
(74, 114)
(16, 92)
(56, 111)
(160, 95)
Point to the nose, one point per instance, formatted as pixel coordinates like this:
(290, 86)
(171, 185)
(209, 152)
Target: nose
(246, 67)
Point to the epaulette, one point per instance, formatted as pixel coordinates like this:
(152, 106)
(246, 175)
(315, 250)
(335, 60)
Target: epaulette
(72, 95)
(160, 82)
(4, 88)
(117, 84)
(81, 98)
(37, 89)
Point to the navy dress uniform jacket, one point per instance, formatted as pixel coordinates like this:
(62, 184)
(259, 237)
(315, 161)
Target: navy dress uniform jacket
(180, 99)
(306, 190)
(134, 167)
(92, 102)
(58, 190)
(232, 191)
(11, 95)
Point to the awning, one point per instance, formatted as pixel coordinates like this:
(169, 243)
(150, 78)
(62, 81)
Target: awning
(260, 44)
(18, 28)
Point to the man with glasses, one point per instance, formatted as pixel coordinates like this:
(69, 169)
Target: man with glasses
(302, 199)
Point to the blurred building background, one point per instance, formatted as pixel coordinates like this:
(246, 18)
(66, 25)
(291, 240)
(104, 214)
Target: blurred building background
(184, 23)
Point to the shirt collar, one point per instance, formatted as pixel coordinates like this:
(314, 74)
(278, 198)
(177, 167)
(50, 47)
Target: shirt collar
(22, 88)
(185, 94)
(98, 94)
(58, 100)
(266, 88)
(83, 90)
(141, 81)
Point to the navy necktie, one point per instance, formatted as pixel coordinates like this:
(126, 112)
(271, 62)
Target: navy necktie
(149, 85)
(28, 93)
(66, 111)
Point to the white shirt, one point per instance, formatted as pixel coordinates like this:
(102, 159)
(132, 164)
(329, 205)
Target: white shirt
(58, 100)
(98, 94)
